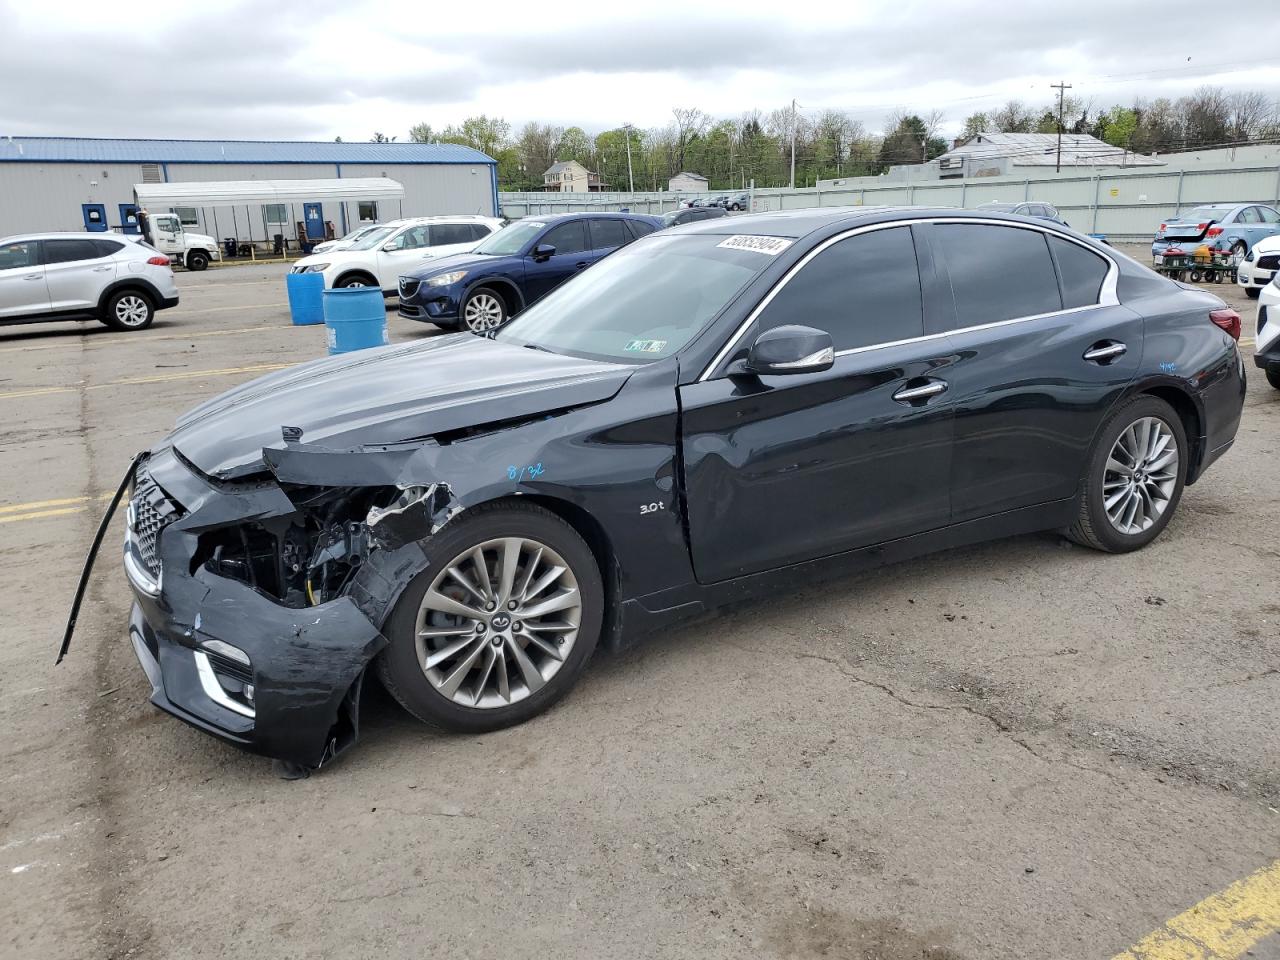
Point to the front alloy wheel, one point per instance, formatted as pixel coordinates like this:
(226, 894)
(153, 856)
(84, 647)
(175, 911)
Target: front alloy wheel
(499, 624)
(483, 311)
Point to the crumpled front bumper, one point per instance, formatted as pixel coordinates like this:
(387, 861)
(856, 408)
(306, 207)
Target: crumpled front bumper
(303, 665)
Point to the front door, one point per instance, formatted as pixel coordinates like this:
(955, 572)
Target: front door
(404, 253)
(782, 469)
(313, 216)
(22, 284)
(95, 217)
(542, 275)
(1042, 351)
(129, 217)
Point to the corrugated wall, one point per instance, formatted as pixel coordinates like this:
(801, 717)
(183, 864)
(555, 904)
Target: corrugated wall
(1126, 205)
(38, 197)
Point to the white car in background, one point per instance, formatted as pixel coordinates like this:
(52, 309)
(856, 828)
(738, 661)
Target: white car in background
(1259, 266)
(345, 241)
(1266, 343)
(381, 256)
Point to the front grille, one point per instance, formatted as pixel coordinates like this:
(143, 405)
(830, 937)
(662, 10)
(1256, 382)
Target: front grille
(1270, 262)
(409, 286)
(150, 511)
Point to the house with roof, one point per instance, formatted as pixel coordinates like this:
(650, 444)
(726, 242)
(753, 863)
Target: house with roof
(569, 176)
(999, 154)
(685, 182)
(82, 183)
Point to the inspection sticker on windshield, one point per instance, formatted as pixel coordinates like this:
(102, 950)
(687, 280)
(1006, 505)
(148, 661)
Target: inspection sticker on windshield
(647, 346)
(770, 246)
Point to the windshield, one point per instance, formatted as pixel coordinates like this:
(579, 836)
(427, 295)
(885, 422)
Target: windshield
(359, 232)
(510, 239)
(373, 238)
(670, 218)
(1200, 214)
(643, 302)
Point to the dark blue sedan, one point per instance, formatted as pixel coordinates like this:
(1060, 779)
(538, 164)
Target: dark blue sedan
(515, 267)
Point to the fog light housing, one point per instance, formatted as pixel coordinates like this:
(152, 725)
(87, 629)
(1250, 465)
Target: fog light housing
(226, 676)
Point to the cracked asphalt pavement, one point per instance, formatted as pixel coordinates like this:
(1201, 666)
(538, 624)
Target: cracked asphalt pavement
(1021, 749)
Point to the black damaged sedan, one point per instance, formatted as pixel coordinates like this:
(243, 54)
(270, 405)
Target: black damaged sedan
(710, 412)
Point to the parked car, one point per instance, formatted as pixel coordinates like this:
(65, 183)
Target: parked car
(1259, 266)
(379, 257)
(346, 240)
(1222, 227)
(696, 420)
(83, 276)
(1026, 208)
(514, 268)
(692, 215)
(741, 201)
(1266, 345)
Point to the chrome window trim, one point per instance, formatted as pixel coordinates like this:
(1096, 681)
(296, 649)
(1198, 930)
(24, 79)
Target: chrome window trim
(1107, 295)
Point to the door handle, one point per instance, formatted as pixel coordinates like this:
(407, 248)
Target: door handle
(1104, 351)
(102, 269)
(582, 264)
(32, 276)
(922, 392)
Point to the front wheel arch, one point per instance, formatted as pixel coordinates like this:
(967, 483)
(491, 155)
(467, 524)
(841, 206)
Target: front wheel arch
(369, 278)
(509, 292)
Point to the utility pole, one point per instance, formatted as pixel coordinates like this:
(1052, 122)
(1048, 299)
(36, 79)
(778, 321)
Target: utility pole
(793, 143)
(1062, 89)
(631, 180)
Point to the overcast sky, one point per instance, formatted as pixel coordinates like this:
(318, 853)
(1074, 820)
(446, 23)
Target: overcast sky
(328, 68)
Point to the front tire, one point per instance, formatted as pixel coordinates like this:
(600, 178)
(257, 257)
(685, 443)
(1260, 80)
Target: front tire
(128, 310)
(1134, 479)
(1252, 292)
(197, 260)
(1273, 378)
(499, 625)
(353, 280)
(484, 310)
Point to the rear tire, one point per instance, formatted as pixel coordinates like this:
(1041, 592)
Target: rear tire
(128, 310)
(1094, 526)
(1273, 378)
(196, 260)
(424, 690)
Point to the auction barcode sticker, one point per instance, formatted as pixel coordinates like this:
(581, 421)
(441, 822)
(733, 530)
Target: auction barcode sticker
(772, 246)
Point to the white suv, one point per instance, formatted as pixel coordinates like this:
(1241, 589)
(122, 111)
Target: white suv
(73, 276)
(381, 256)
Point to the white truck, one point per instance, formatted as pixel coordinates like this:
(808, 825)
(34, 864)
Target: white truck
(164, 232)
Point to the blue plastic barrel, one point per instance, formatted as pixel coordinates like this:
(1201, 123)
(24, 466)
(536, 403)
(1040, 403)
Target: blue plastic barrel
(306, 305)
(356, 318)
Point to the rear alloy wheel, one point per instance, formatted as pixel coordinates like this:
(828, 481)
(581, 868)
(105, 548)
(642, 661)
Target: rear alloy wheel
(1135, 477)
(484, 310)
(499, 625)
(197, 260)
(128, 310)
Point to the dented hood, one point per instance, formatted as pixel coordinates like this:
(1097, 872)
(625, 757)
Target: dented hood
(388, 395)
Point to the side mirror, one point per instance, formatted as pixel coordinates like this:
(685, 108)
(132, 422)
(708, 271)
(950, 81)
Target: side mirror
(790, 349)
(544, 251)
(390, 247)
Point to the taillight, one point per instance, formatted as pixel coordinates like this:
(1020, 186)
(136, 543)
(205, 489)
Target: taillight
(1215, 232)
(1163, 227)
(158, 261)
(1228, 320)
(1200, 227)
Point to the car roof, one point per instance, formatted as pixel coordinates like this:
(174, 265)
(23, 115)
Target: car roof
(66, 235)
(800, 223)
(594, 215)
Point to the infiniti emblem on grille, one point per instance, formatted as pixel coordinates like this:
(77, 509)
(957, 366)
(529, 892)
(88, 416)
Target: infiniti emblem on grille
(501, 621)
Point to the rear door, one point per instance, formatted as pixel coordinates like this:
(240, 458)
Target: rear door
(541, 276)
(1042, 351)
(22, 283)
(450, 238)
(782, 469)
(606, 236)
(77, 270)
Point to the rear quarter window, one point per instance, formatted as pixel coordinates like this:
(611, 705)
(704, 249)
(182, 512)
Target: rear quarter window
(107, 247)
(997, 273)
(1082, 273)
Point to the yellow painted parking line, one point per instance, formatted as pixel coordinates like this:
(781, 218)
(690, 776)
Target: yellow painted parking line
(138, 381)
(1221, 927)
(42, 513)
(41, 504)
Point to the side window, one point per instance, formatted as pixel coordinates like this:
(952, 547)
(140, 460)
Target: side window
(1249, 215)
(443, 234)
(411, 239)
(1082, 272)
(1051, 211)
(997, 273)
(608, 234)
(641, 228)
(567, 237)
(106, 248)
(16, 255)
(1269, 215)
(68, 251)
(477, 231)
(863, 291)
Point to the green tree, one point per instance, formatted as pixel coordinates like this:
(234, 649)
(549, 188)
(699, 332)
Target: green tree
(483, 133)
(421, 133)
(974, 124)
(1117, 126)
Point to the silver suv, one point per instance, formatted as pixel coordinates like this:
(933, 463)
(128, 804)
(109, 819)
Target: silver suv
(73, 276)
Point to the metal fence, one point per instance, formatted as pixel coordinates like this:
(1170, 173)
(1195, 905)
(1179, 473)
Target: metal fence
(1124, 205)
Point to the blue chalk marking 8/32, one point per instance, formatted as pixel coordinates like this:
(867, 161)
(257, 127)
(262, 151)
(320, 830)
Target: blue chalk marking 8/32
(532, 471)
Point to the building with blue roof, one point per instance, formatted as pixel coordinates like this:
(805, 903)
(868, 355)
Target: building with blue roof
(77, 183)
